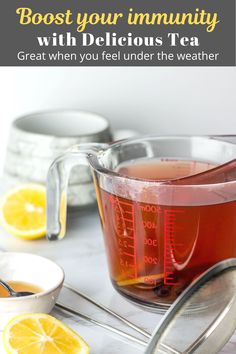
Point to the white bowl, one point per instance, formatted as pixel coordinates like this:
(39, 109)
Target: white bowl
(37, 139)
(36, 270)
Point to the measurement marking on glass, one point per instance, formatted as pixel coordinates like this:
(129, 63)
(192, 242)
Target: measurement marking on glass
(170, 217)
(128, 254)
(128, 220)
(128, 257)
(135, 248)
(129, 237)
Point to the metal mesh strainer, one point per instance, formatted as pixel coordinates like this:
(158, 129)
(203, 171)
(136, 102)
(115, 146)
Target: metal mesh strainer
(186, 330)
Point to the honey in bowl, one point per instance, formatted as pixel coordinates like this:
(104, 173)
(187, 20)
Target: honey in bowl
(19, 286)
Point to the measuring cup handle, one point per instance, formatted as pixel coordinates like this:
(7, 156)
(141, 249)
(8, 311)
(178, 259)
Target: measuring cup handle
(57, 183)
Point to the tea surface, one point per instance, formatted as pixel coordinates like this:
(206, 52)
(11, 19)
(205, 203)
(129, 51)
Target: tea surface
(163, 169)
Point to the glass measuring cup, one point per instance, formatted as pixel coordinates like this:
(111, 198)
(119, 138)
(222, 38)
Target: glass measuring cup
(160, 233)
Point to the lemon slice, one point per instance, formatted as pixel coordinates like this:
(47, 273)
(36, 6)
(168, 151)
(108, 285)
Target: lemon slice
(39, 333)
(23, 211)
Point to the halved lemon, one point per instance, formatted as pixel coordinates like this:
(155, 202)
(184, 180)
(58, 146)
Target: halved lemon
(23, 211)
(39, 333)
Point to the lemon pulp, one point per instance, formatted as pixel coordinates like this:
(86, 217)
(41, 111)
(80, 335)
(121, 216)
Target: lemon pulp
(41, 333)
(23, 211)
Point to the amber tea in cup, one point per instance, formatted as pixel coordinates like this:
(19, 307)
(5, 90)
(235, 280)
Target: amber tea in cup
(156, 250)
(167, 207)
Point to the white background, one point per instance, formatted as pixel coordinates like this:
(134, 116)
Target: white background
(151, 100)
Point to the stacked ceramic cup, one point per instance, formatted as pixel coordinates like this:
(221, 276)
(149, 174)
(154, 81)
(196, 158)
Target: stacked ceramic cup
(37, 139)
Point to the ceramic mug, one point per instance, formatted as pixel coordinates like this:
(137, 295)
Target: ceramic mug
(37, 139)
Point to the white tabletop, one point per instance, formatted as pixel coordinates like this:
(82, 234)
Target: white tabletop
(81, 254)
